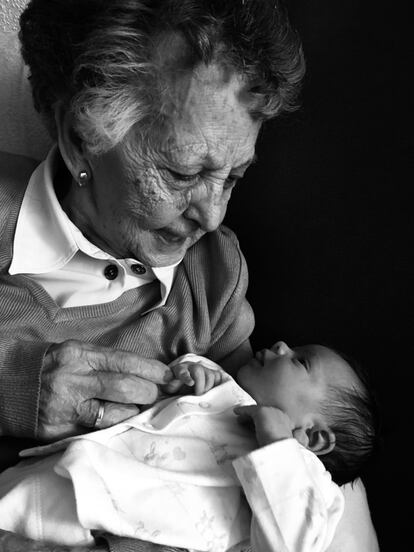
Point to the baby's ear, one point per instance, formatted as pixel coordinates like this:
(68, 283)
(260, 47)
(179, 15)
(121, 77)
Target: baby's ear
(319, 439)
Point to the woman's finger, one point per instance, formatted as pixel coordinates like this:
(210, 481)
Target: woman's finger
(123, 388)
(97, 414)
(172, 387)
(90, 357)
(125, 362)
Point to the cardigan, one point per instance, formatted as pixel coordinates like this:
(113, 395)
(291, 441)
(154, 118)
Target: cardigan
(206, 313)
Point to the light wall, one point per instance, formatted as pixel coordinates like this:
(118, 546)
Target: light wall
(9, 13)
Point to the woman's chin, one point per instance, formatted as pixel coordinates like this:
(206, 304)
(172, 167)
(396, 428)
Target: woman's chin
(164, 252)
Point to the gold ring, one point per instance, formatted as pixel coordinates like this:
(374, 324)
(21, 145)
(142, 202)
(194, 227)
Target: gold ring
(100, 415)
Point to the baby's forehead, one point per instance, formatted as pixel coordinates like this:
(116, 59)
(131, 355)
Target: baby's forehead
(333, 364)
(320, 353)
(323, 352)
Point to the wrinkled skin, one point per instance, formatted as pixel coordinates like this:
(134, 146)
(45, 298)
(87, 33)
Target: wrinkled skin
(76, 376)
(153, 199)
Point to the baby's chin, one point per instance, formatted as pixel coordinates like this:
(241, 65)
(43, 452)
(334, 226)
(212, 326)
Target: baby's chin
(245, 373)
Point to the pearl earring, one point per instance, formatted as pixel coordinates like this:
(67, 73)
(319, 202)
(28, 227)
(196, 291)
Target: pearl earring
(83, 179)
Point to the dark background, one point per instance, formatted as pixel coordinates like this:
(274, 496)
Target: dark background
(325, 222)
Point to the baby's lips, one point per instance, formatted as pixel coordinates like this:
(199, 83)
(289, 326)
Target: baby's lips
(259, 356)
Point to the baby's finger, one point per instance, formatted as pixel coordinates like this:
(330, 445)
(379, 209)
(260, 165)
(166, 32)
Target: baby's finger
(210, 380)
(218, 377)
(199, 377)
(182, 373)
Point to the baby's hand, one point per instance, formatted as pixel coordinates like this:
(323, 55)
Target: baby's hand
(194, 374)
(271, 423)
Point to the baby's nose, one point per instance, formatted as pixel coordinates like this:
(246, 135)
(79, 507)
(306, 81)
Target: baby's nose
(280, 348)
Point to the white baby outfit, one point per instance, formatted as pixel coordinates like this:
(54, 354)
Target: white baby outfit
(177, 474)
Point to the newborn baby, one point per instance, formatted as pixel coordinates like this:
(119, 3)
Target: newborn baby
(180, 473)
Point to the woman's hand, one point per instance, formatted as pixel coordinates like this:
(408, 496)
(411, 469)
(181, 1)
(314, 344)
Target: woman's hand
(271, 423)
(78, 377)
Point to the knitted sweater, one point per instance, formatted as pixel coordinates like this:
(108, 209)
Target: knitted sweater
(206, 313)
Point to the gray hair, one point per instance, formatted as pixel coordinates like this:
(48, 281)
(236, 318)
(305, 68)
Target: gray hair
(98, 58)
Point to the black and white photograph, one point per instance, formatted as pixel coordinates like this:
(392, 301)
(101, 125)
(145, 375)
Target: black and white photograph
(205, 276)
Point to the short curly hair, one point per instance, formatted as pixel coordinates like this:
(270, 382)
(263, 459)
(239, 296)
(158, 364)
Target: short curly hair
(98, 58)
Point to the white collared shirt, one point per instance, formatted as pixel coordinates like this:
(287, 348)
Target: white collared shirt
(51, 250)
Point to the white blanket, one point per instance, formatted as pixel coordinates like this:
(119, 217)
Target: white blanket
(177, 474)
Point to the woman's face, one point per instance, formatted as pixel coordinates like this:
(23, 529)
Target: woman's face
(153, 201)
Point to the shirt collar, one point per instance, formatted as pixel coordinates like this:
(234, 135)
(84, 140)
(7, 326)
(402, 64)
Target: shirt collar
(46, 239)
(43, 239)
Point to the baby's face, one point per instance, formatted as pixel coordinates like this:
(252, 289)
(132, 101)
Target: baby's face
(295, 380)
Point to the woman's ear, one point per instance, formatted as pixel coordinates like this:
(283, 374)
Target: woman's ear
(70, 144)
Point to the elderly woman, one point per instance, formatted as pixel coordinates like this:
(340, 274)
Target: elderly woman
(113, 258)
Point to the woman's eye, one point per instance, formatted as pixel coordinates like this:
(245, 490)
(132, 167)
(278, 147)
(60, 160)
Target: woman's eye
(231, 180)
(183, 177)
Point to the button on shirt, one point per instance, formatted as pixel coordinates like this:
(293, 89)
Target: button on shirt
(51, 250)
(111, 272)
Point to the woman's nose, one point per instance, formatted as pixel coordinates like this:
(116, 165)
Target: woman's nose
(207, 207)
(280, 348)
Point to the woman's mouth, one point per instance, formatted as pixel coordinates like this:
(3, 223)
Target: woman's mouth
(171, 238)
